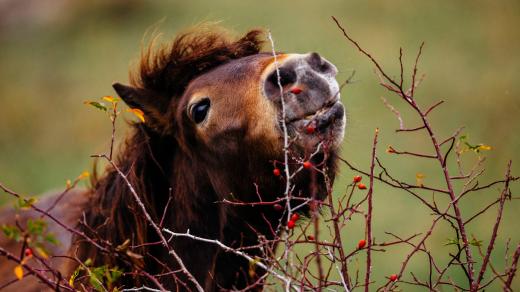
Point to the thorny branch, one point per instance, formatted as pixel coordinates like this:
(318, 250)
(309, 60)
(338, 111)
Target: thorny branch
(408, 95)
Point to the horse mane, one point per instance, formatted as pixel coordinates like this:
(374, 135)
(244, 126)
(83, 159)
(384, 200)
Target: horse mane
(169, 68)
(147, 156)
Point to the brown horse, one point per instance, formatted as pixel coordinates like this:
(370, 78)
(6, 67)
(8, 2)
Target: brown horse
(213, 132)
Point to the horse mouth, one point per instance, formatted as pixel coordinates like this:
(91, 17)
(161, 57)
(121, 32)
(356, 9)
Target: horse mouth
(323, 121)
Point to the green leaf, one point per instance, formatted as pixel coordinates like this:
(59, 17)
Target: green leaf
(51, 238)
(476, 242)
(98, 105)
(451, 241)
(113, 275)
(96, 278)
(36, 226)
(23, 203)
(11, 232)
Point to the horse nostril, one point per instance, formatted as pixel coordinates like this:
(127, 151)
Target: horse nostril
(318, 63)
(287, 76)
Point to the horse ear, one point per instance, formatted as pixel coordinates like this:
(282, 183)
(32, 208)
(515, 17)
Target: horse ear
(154, 106)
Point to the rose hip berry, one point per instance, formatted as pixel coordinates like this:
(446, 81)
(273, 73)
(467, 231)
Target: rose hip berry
(277, 172)
(291, 224)
(310, 129)
(28, 252)
(295, 217)
(393, 277)
(362, 186)
(307, 164)
(357, 178)
(277, 207)
(296, 90)
(361, 243)
(310, 237)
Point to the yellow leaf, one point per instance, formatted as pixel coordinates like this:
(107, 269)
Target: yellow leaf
(110, 98)
(138, 113)
(75, 275)
(42, 252)
(83, 175)
(18, 271)
(252, 267)
(419, 178)
(484, 147)
(68, 183)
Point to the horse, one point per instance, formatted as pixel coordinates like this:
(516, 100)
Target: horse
(222, 118)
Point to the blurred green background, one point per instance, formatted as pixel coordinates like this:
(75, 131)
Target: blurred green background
(54, 54)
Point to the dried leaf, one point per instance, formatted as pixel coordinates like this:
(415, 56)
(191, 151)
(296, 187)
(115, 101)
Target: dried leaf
(137, 259)
(390, 149)
(138, 113)
(18, 271)
(123, 246)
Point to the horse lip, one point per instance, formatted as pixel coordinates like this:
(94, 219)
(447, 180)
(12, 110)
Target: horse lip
(326, 118)
(316, 114)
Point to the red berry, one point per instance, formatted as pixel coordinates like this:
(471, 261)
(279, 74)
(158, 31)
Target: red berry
(307, 164)
(357, 178)
(28, 252)
(296, 90)
(362, 186)
(295, 217)
(393, 277)
(291, 224)
(310, 129)
(277, 207)
(310, 237)
(277, 172)
(361, 244)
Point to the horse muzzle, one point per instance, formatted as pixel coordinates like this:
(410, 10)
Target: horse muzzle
(311, 98)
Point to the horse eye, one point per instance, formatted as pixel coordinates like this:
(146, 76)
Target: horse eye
(199, 111)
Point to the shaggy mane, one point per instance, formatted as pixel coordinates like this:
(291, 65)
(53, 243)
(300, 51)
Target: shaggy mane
(169, 69)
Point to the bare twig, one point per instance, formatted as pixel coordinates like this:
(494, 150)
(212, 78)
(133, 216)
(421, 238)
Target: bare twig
(369, 213)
